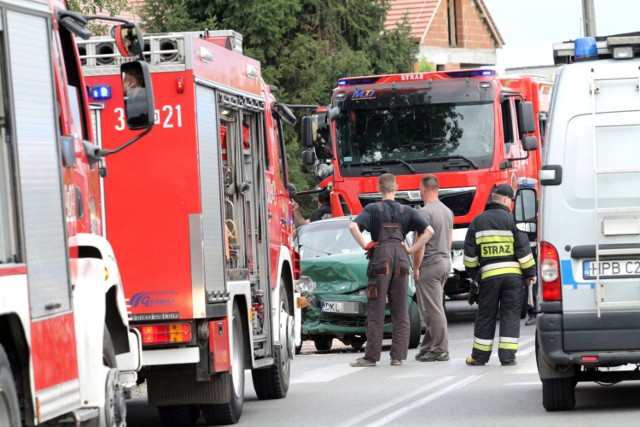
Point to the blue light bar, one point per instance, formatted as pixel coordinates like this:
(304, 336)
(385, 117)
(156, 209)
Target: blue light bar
(585, 48)
(358, 81)
(101, 92)
(469, 73)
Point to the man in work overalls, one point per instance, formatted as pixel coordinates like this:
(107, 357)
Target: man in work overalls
(388, 271)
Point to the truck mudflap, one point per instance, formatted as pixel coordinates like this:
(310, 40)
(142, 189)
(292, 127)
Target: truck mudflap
(616, 331)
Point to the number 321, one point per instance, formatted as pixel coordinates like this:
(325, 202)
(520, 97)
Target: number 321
(168, 116)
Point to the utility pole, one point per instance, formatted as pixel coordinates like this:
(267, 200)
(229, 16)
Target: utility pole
(589, 18)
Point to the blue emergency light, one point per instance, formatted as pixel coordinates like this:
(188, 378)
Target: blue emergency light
(585, 48)
(100, 92)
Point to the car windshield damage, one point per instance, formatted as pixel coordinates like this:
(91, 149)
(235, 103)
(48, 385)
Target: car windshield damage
(328, 238)
(408, 130)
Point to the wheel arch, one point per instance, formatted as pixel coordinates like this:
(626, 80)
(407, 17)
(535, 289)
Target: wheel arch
(243, 306)
(14, 341)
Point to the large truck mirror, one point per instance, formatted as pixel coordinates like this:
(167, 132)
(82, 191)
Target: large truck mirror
(309, 157)
(138, 95)
(526, 118)
(306, 132)
(129, 39)
(529, 143)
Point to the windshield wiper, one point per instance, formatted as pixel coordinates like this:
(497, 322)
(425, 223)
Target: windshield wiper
(392, 161)
(316, 250)
(445, 158)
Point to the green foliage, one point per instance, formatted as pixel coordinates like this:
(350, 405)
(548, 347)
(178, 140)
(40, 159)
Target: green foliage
(99, 7)
(303, 46)
(424, 66)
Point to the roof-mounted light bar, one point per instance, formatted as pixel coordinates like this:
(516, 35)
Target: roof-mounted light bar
(413, 77)
(590, 48)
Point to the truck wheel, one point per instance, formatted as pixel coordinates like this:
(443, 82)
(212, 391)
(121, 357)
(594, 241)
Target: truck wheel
(272, 382)
(357, 343)
(558, 394)
(115, 401)
(229, 413)
(415, 325)
(9, 409)
(323, 342)
(179, 415)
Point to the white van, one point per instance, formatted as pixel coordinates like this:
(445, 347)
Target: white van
(589, 221)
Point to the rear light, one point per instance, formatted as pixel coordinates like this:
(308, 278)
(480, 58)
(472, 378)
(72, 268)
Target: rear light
(550, 273)
(180, 84)
(173, 333)
(589, 359)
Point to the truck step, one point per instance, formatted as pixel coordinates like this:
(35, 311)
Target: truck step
(80, 416)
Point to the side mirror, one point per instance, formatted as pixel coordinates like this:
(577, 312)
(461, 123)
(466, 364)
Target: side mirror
(306, 132)
(138, 95)
(526, 118)
(128, 38)
(285, 113)
(529, 143)
(334, 112)
(309, 157)
(525, 211)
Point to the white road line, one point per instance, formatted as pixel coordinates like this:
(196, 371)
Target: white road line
(383, 408)
(326, 374)
(439, 393)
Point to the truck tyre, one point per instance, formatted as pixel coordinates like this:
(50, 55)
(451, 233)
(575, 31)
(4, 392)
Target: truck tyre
(272, 382)
(558, 394)
(323, 342)
(115, 401)
(179, 415)
(229, 413)
(415, 325)
(9, 408)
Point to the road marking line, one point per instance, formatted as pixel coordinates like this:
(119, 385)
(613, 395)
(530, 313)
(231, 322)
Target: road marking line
(326, 374)
(383, 408)
(394, 415)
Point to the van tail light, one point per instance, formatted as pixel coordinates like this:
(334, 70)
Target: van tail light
(172, 333)
(550, 272)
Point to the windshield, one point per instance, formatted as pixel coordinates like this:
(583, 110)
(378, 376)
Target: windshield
(405, 128)
(320, 239)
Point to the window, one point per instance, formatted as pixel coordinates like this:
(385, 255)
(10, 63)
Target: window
(507, 124)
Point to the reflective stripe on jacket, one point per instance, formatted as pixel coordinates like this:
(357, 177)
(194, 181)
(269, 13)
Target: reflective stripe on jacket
(494, 246)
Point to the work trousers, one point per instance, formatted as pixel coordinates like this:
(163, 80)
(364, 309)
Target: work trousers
(504, 293)
(430, 292)
(388, 277)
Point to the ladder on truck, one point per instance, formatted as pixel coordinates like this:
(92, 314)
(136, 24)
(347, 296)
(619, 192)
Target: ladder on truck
(612, 76)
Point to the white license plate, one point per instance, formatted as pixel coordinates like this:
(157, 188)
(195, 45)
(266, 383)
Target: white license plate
(610, 269)
(350, 307)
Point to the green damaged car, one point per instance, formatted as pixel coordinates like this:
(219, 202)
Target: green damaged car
(334, 280)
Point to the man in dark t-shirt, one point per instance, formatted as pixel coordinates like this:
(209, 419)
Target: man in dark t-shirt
(388, 272)
(323, 210)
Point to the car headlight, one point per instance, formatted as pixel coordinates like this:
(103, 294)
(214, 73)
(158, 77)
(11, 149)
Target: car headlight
(306, 285)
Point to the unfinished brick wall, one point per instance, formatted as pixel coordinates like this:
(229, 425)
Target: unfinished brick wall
(472, 28)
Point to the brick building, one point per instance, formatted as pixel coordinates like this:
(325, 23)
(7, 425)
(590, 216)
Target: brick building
(452, 34)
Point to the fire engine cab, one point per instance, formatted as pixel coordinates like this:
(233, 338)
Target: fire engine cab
(473, 129)
(201, 218)
(67, 354)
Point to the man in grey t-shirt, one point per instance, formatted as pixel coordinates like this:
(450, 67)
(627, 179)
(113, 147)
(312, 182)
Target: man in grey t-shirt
(431, 267)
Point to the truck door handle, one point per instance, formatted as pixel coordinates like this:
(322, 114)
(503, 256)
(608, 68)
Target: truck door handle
(52, 306)
(270, 215)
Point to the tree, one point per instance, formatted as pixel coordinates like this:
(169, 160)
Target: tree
(95, 7)
(303, 46)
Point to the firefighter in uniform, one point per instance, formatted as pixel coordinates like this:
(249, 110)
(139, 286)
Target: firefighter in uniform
(388, 270)
(500, 254)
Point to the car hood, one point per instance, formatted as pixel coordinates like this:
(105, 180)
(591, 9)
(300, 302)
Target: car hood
(337, 274)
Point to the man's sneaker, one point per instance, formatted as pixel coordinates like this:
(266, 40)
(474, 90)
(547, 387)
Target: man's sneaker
(431, 356)
(531, 320)
(513, 362)
(396, 362)
(363, 363)
(421, 353)
(473, 362)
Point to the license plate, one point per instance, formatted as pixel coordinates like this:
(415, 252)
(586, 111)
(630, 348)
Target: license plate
(611, 269)
(349, 307)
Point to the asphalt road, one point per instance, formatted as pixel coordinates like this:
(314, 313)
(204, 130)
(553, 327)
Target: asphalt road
(326, 391)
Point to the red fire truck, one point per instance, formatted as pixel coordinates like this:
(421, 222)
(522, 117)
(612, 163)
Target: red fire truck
(67, 354)
(201, 219)
(471, 128)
